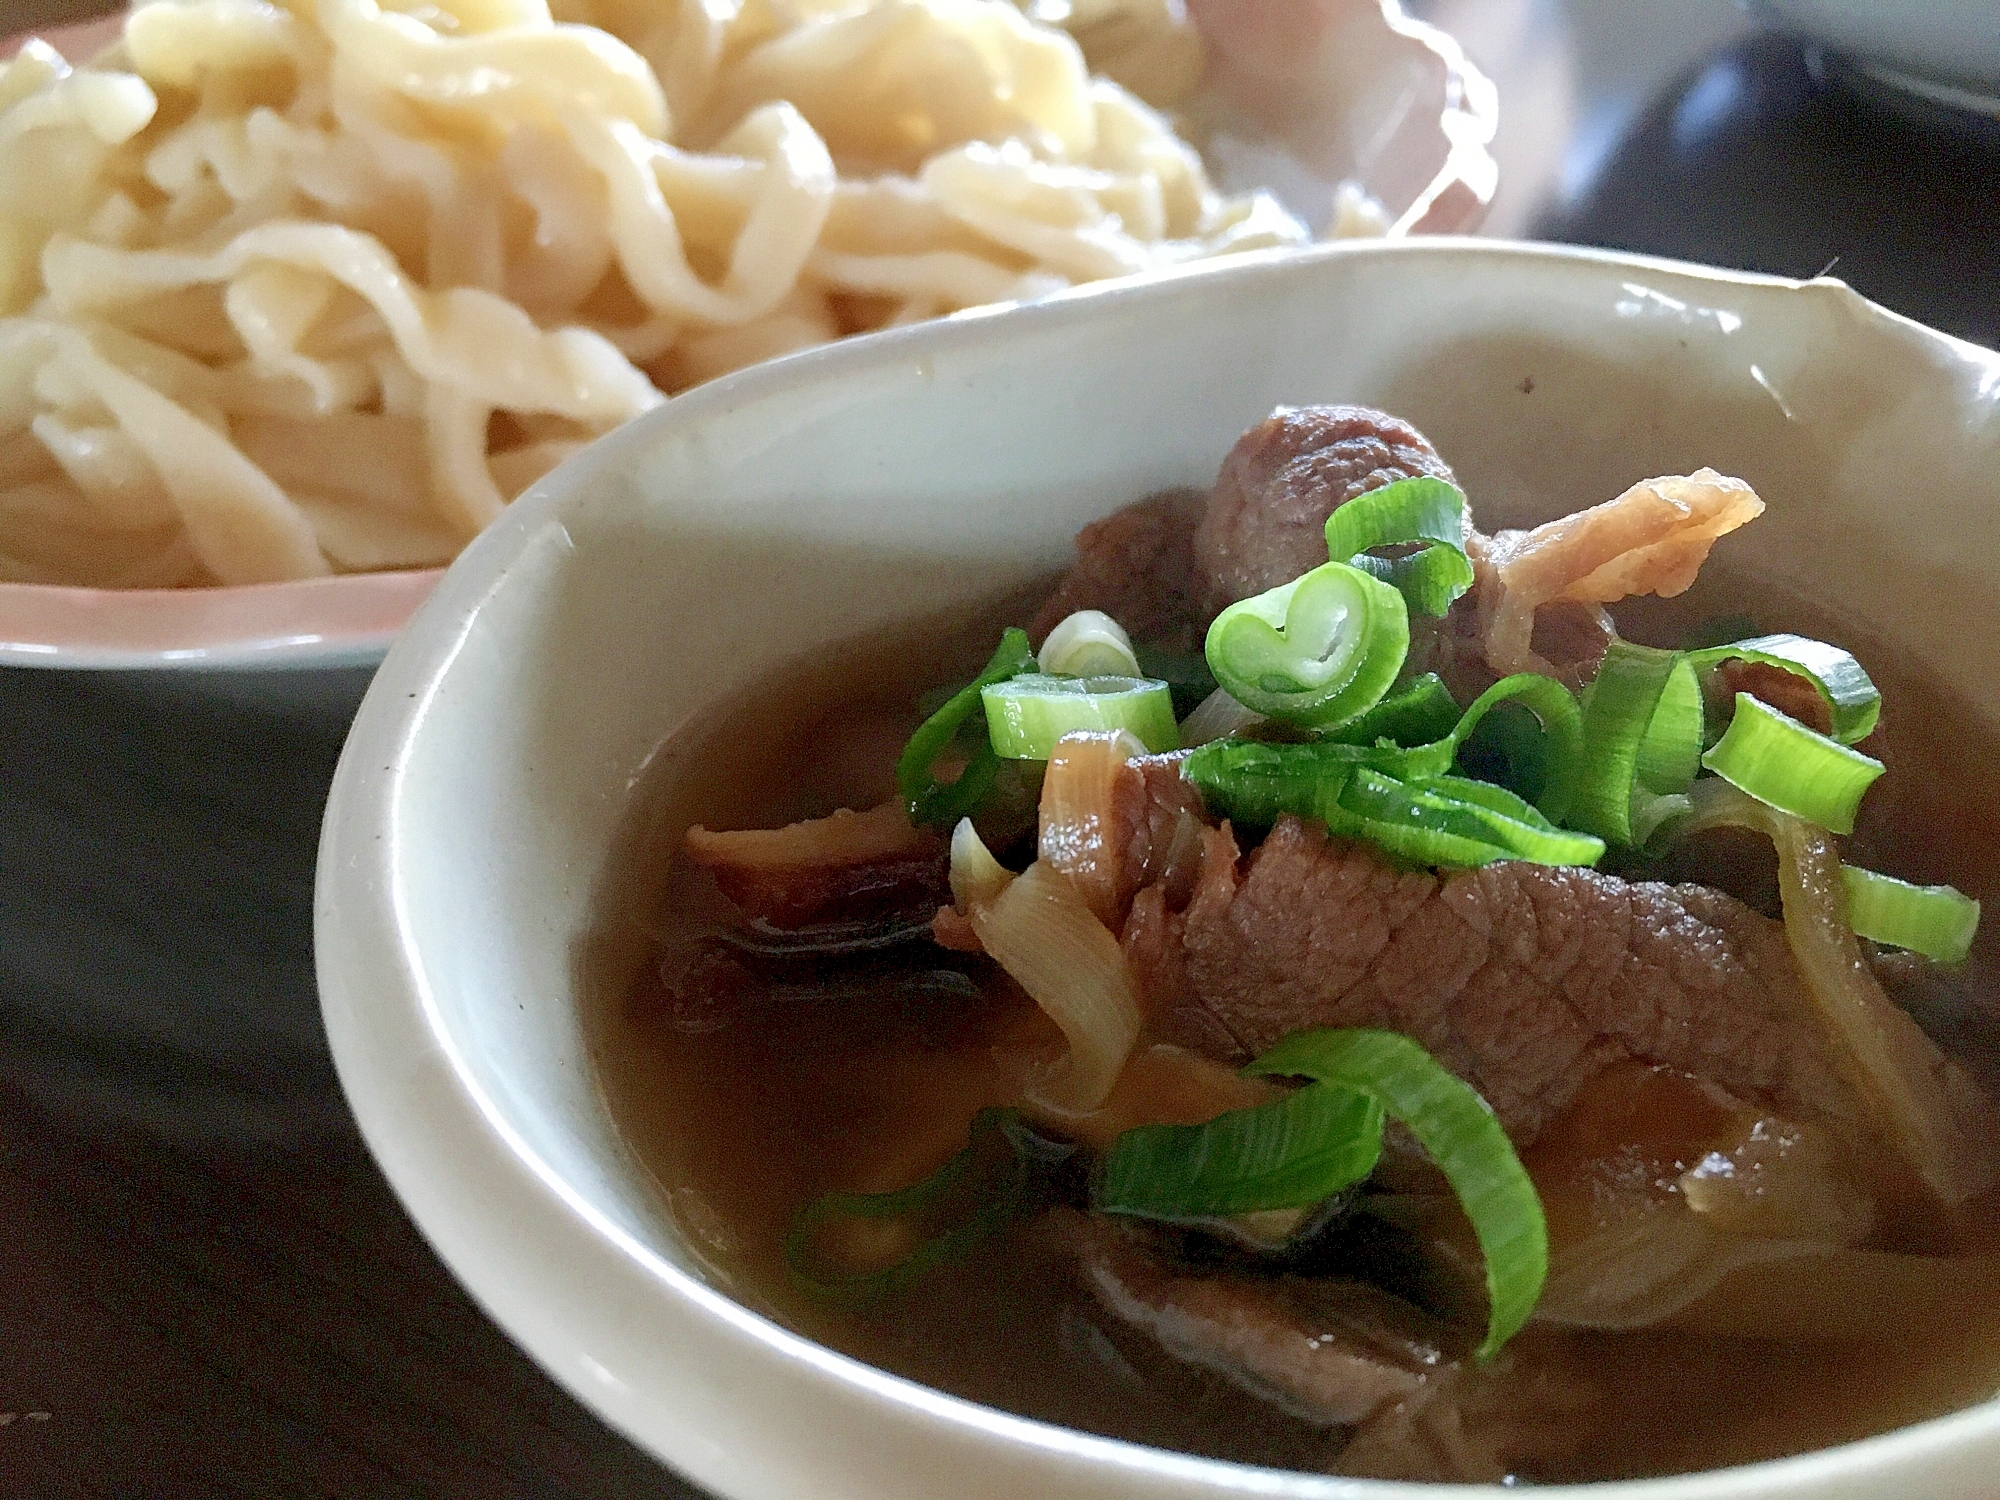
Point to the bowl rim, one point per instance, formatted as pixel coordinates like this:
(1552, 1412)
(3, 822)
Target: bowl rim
(418, 1103)
(351, 618)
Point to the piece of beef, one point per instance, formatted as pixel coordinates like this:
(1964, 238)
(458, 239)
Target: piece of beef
(1787, 692)
(846, 868)
(1340, 1353)
(1524, 979)
(1137, 565)
(1266, 520)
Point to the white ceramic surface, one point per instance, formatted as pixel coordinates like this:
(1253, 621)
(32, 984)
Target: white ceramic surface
(493, 764)
(1301, 95)
(1947, 45)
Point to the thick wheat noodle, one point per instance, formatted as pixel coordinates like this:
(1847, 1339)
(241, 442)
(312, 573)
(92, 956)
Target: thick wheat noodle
(298, 286)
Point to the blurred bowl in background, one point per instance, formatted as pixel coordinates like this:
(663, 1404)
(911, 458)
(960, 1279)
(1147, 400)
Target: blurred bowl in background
(1303, 97)
(1947, 51)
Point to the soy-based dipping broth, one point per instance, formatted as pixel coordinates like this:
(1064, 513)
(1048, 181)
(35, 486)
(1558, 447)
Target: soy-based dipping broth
(864, 1076)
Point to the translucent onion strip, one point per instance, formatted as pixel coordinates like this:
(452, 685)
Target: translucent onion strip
(1079, 818)
(1216, 718)
(1038, 928)
(1926, 1106)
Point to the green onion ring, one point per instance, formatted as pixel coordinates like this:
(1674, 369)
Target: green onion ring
(929, 800)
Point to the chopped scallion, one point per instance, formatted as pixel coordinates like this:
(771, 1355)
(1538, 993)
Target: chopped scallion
(991, 1182)
(1317, 651)
(1089, 643)
(1938, 921)
(1641, 739)
(1418, 509)
(945, 802)
(1422, 712)
(1853, 703)
(1027, 715)
(1403, 798)
(1561, 721)
(1779, 761)
(1289, 1153)
(1449, 820)
(1460, 1133)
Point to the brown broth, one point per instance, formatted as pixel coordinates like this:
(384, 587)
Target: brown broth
(742, 1127)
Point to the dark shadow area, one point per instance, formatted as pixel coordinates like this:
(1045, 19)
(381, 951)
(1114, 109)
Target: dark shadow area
(1768, 158)
(206, 1287)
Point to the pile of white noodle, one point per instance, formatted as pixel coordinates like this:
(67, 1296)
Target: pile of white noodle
(318, 286)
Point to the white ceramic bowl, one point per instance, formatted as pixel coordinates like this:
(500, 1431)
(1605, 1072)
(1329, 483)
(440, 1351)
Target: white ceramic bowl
(472, 831)
(1940, 48)
(1300, 96)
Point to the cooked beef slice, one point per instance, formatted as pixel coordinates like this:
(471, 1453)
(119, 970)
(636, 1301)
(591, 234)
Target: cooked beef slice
(1265, 522)
(1137, 565)
(1342, 1354)
(1525, 980)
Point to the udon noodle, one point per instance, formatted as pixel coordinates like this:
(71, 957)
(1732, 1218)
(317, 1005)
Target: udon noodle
(318, 286)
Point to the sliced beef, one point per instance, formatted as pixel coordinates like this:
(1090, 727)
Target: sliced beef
(838, 870)
(1787, 692)
(1266, 520)
(1137, 565)
(1339, 1353)
(1526, 980)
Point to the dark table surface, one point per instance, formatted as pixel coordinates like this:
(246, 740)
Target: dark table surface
(206, 1288)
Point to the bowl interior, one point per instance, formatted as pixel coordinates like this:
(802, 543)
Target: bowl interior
(520, 771)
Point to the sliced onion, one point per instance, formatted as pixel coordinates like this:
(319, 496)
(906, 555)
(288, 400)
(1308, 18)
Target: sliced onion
(977, 878)
(1040, 931)
(1216, 718)
(1078, 818)
(1652, 539)
(1927, 1107)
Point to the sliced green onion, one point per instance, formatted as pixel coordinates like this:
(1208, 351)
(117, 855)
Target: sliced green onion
(1289, 1153)
(1555, 707)
(1461, 1134)
(1418, 509)
(1641, 715)
(991, 1182)
(928, 799)
(1853, 703)
(1449, 821)
(1320, 650)
(1782, 763)
(1253, 781)
(1402, 798)
(1938, 921)
(1429, 581)
(1026, 715)
(1422, 712)
(1089, 643)
(1670, 750)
